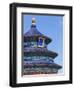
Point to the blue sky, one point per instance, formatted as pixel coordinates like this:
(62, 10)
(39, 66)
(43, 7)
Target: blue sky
(51, 26)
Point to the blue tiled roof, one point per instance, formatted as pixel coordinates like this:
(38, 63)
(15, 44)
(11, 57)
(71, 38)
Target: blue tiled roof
(33, 32)
(28, 64)
(39, 51)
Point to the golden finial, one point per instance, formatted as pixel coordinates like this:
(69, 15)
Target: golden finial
(33, 21)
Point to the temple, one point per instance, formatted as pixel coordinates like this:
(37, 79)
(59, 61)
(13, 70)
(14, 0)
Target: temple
(37, 58)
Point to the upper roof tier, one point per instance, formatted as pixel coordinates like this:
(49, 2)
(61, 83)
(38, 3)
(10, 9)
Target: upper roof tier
(33, 32)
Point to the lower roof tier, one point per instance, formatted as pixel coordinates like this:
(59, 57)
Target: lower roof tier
(51, 65)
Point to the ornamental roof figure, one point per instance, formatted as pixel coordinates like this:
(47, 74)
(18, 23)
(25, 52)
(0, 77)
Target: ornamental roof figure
(33, 21)
(33, 32)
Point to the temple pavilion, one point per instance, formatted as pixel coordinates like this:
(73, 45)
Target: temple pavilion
(37, 58)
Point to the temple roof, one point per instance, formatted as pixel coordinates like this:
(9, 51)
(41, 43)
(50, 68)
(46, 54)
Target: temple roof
(39, 51)
(33, 32)
(51, 65)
